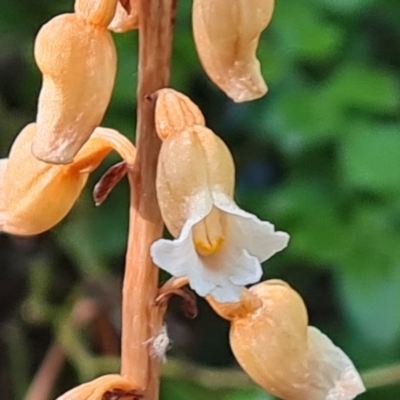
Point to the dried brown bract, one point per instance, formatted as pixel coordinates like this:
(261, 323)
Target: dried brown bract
(227, 33)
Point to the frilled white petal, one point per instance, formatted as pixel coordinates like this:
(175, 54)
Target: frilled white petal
(229, 269)
(207, 275)
(248, 242)
(249, 232)
(175, 256)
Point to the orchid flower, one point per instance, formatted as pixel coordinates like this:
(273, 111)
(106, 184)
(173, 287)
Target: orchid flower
(273, 343)
(227, 33)
(77, 57)
(218, 246)
(34, 195)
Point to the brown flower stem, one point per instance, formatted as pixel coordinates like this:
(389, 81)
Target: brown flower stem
(141, 318)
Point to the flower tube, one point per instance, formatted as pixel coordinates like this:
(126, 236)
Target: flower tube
(227, 33)
(35, 195)
(77, 57)
(273, 343)
(218, 246)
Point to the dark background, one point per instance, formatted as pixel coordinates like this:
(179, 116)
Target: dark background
(319, 156)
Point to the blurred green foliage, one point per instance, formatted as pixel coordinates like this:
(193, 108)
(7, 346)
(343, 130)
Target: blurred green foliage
(319, 156)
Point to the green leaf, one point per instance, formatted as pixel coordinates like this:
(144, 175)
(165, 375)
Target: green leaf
(358, 86)
(346, 6)
(370, 157)
(303, 116)
(310, 36)
(371, 302)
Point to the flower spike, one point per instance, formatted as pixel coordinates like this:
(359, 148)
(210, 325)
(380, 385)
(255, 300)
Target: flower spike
(226, 33)
(219, 247)
(285, 356)
(77, 57)
(35, 195)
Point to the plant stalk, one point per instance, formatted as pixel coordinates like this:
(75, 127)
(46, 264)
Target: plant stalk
(141, 318)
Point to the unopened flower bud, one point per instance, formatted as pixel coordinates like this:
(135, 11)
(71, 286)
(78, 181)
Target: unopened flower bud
(291, 360)
(78, 63)
(227, 33)
(35, 195)
(175, 112)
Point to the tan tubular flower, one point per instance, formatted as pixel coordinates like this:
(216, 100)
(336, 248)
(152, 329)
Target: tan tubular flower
(95, 390)
(35, 195)
(77, 57)
(126, 17)
(219, 247)
(291, 360)
(226, 33)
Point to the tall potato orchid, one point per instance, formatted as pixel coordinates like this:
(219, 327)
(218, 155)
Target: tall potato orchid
(184, 177)
(35, 196)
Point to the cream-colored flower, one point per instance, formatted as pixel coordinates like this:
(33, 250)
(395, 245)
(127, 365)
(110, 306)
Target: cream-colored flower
(77, 57)
(34, 195)
(226, 33)
(273, 343)
(219, 247)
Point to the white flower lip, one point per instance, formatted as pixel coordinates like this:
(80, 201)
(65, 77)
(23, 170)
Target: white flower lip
(248, 242)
